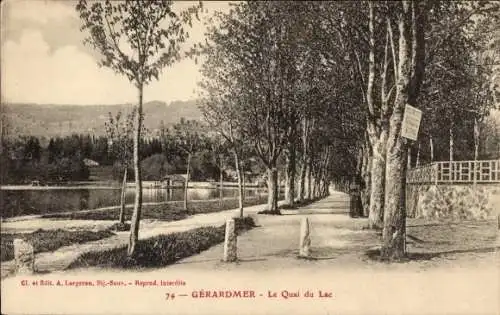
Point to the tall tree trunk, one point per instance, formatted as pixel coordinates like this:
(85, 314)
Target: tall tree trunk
(476, 139)
(323, 172)
(377, 135)
(309, 178)
(136, 215)
(408, 157)
(121, 218)
(377, 187)
(451, 143)
(417, 162)
(302, 180)
(303, 162)
(186, 182)
(272, 189)
(431, 145)
(366, 178)
(278, 186)
(394, 232)
(221, 181)
(290, 175)
(357, 211)
(240, 181)
(314, 182)
(243, 196)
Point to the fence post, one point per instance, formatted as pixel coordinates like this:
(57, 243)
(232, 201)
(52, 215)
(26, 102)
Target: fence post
(436, 174)
(24, 256)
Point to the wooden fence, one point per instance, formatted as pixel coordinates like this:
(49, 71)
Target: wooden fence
(456, 172)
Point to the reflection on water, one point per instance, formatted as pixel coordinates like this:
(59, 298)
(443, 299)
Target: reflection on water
(27, 202)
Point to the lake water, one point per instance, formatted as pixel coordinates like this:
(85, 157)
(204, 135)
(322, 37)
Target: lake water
(41, 201)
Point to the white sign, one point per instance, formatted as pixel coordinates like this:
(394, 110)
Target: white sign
(411, 122)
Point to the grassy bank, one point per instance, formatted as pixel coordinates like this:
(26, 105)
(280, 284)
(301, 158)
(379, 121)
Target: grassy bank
(437, 241)
(47, 241)
(161, 250)
(171, 211)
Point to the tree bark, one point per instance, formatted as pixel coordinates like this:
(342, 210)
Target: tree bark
(314, 182)
(309, 178)
(324, 172)
(186, 182)
(240, 182)
(302, 181)
(377, 134)
(272, 189)
(476, 139)
(244, 184)
(377, 192)
(221, 182)
(417, 162)
(136, 215)
(303, 162)
(278, 185)
(121, 218)
(366, 178)
(451, 144)
(431, 145)
(394, 232)
(408, 159)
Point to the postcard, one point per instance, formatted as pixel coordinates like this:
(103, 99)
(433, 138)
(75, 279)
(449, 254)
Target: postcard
(250, 157)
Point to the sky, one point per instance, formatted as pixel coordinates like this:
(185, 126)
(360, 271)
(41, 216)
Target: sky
(44, 61)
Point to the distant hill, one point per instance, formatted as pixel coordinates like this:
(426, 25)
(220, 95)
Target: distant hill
(60, 120)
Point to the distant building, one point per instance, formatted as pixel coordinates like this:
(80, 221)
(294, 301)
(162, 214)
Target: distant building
(174, 179)
(90, 163)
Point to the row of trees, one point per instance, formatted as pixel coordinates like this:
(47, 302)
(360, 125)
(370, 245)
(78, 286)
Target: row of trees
(267, 88)
(319, 87)
(24, 159)
(323, 82)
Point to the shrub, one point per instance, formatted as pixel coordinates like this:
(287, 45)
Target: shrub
(49, 240)
(171, 211)
(120, 227)
(162, 250)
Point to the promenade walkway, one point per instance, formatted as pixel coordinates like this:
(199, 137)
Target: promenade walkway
(268, 264)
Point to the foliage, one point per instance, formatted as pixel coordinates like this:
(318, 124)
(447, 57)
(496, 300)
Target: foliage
(171, 211)
(119, 134)
(150, 29)
(49, 240)
(456, 90)
(162, 250)
(24, 160)
(189, 136)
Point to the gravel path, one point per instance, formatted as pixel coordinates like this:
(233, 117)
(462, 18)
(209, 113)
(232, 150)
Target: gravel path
(465, 283)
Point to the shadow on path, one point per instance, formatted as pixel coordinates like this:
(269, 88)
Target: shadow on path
(418, 256)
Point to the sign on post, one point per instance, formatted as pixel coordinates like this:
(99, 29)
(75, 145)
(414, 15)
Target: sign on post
(411, 122)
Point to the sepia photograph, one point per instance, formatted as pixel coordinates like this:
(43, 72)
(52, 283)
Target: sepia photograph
(250, 157)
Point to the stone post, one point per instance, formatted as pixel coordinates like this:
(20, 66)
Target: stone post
(24, 257)
(305, 238)
(230, 242)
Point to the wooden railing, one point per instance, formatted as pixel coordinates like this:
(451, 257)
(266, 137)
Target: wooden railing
(455, 172)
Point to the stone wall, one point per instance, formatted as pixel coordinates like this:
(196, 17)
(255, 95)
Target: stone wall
(453, 201)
